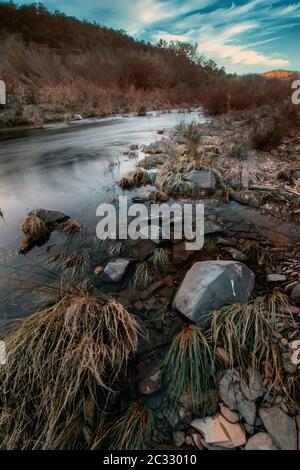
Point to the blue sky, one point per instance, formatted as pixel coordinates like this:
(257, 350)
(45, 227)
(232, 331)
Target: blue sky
(243, 35)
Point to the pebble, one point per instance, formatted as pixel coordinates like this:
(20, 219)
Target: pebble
(99, 270)
(276, 278)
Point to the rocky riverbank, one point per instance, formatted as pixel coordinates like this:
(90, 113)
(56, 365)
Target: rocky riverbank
(216, 364)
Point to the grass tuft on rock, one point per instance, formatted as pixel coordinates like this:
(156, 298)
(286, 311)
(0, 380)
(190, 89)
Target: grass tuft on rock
(35, 231)
(132, 431)
(188, 367)
(134, 179)
(247, 333)
(62, 362)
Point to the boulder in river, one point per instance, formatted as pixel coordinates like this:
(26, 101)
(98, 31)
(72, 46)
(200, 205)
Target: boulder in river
(210, 285)
(51, 218)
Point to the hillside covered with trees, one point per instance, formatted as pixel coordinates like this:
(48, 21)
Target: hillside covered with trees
(55, 66)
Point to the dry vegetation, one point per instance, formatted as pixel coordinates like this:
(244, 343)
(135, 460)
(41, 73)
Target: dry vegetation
(56, 66)
(61, 367)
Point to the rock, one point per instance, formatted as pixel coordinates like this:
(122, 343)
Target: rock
(201, 179)
(51, 218)
(142, 195)
(254, 389)
(152, 161)
(152, 178)
(115, 270)
(99, 270)
(236, 254)
(280, 426)
(261, 441)
(276, 278)
(246, 408)
(179, 438)
(165, 146)
(227, 388)
(218, 431)
(287, 362)
(231, 416)
(295, 294)
(211, 228)
(225, 241)
(197, 440)
(290, 287)
(210, 285)
(78, 117)
(150, 385)
(152, 289)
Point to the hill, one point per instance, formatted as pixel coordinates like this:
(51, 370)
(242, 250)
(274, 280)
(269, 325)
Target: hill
(56, 66)
(283, 74)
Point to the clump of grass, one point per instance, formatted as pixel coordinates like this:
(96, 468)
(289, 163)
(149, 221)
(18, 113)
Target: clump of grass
(191, 134)
(135, 179)
(188, 367)
(247, 335)
(63, 360)
(160, 260)
(78, 264)
(143, 276)
(160, 196)
(116, 249)
(35, 230)
(178, 187)
(132, 431)
(224, 194)
(70, 227)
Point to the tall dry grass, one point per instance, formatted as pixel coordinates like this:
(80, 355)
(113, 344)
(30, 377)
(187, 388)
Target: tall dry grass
(62, 366)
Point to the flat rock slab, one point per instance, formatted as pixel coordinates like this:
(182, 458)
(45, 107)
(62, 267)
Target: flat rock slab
(210, 285)
(218, 431)
(261, 441)
(201, 179)
(115, 270)
(280, 426)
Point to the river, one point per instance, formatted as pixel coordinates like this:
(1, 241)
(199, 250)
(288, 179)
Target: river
(63, 168)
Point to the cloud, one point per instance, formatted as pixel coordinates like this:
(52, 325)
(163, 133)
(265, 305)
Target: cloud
(222, 46)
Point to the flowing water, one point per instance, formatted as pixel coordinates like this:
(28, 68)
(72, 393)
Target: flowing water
(63, 168)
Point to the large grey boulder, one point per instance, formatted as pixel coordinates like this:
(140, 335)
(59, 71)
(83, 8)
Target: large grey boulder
(115, 270)
(280, 426)
(201, 179)
(210, 285)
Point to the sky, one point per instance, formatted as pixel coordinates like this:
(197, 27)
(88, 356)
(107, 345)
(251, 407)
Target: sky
(243, 35)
